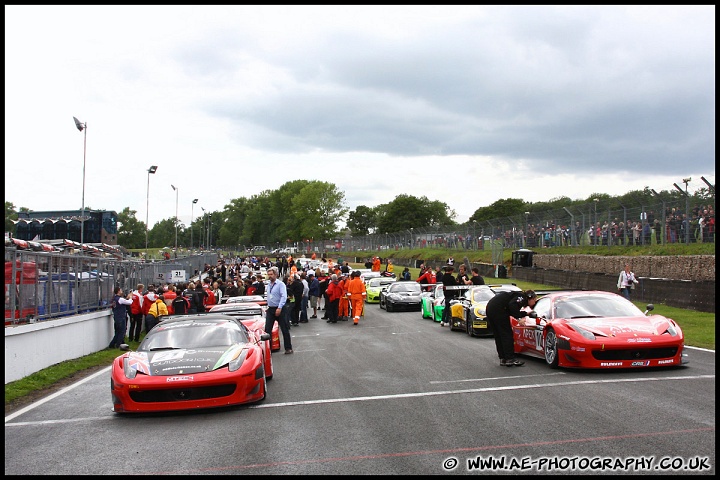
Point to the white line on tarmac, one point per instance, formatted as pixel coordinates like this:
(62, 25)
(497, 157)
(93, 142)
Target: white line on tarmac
(435, 382)
(478, 390)
(56, 394)
(369, 398)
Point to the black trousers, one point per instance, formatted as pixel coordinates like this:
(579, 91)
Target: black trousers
(282, 320)
(136, 325)
(502, 332)
(332, 309)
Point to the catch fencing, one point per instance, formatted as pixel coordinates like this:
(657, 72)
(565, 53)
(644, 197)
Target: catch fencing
(42, 285)
(580, 225)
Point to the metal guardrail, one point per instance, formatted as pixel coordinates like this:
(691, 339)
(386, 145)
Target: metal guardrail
(41, 285)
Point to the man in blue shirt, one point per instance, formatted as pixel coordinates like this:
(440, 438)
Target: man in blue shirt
(276, 300)
(120, 304)
(313, 292)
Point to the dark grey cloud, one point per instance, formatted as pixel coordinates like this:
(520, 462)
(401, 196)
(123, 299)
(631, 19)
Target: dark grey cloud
(556, 87)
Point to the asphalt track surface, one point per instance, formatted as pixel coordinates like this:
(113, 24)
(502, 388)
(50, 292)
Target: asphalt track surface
(397, 394)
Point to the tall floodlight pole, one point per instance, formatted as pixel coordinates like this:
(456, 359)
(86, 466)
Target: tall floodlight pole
(152, 169)
(177, 190)
(82, 127)
(202, 232)
(208, 229)
(573, 242)
(192, 214)
(687, 208)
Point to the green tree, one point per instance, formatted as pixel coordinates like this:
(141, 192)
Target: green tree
(260, 220)
(505, 207)
(318, 208)
(361, 221)
(131, 232)
(231, 233)
(10, 215)
(162, 234)
(407, 211)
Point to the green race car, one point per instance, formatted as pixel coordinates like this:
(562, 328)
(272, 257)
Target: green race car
(433, 301)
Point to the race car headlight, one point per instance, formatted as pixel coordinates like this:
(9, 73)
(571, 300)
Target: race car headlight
(585, 333)
(479, 312)
(130, 373)
(238, 360)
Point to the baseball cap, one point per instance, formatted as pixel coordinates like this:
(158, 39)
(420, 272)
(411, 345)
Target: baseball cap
(311, 273)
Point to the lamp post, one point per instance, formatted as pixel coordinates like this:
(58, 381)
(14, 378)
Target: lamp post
(686, 221)
(527, 228)
(152, 169)
(202, 230)
(177, 190)
(209, 227)
(82, 127)
(664, 219)
(192, 208)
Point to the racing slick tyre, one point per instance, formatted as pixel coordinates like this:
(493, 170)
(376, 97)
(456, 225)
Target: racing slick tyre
(264, 389)
(269, 377)
(551, 349)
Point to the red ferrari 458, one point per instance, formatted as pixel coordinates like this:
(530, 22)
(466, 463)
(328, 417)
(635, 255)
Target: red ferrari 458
(250, 311)
(190, 362)
(595, 329)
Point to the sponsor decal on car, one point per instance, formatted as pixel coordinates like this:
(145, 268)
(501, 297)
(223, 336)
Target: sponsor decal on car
(138, 361)
(639, 340)
(640, 364)
(181, 368)
(664, 362)
(611, 364)
(577, 349)
(169, 355)
(186, 378)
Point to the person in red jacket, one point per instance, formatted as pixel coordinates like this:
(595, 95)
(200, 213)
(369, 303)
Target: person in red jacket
(356, 293)
(169, 296)
(343, 304)
(136, 313)
(209, 300)
(334, 291)
(148, 300)
(428, 277)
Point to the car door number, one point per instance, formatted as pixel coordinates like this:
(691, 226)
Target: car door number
(533, 338)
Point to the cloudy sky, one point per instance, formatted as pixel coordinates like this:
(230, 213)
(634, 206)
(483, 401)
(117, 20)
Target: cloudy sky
(465, 104)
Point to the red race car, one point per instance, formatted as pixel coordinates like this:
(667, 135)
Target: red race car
(250, 311)
(190, 362)
(596, 329)
(259, 299)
